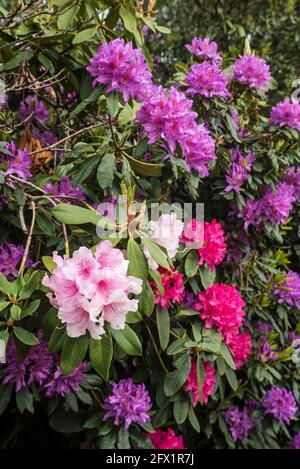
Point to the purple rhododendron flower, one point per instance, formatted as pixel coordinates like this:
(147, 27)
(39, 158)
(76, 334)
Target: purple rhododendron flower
(10, 259)
(286, 113)
(60, 384)
(253, 71)
(239, 422)
(17, 163)
(295, 443)
(128, 403)
(208, 80)
(276, 206)
(289, 290)
(280, 403)
(239, 170)
(32, 105)
(64, 188)
(204, 48)
(292, 177)
(122, 68)
(265, 352)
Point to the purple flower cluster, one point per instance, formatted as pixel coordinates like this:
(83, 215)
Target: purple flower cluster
(15, 162)
(204, 49)
(32, 105)
(292, 177)
(169, 116)
(252, 71)
(10, 259)
(273, 207)
(239, 422)
(64, 188)
(208, 80)
(240, 130)
(280, 403)
(265, 352)
(295, 443)
(289, 290)
(42, 368)
(121, 68)
(239, 170)
(286, 113)
(128, 403)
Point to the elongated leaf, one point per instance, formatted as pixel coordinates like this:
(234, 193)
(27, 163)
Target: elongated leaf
(49, 264)
(231, 378)
(73, 215)
(146, 300)
(113, 103)
(101, 352)
(137, 261)
(191, 264)
(57, 339)
(224, 351)
(106, 170)
(176, 379)
(5, 394)
(25, 336)
(181, 407)
(73, 353)
(4, 284)
(84, 35)
(156, 252)
(128, 340)
(163, 327)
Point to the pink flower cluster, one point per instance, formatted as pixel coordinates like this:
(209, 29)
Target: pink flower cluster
(205, 49)
(252, 71)
(208, 80)
(172, 283)
(121, 68)
(222, 306)
(213, 247)
(207, 385)
(168, 115)
(286, 113)
(161, 439)
(89, 289)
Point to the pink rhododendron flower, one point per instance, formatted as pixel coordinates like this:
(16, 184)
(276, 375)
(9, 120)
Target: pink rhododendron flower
(122, 68)
(193, 233)
(207, 385)
(253, 71)
(166, 439)
(286, 113)
(204, 48)
(240, 346)
(208, 80)
(89, 289)
(198, 148)
(214, 248)
(173, 286)
(221, 306)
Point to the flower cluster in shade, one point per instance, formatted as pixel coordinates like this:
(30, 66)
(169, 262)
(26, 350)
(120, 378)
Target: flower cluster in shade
(239, 422)
(205, 49)
(280, 403)
(209, 238)
(41, 368)
(128, 403)
(252, 71)
(240, 167)
(90, 288)
(221, 306)
(168, 115)
(273, 206)
(66, 191)
(15, 162)
(120, 67)
(295, 443)
(168, 439)
(286, 113)
(32, 106)
(10, 259)
(172, 283)
(288, 291)
(191, 384)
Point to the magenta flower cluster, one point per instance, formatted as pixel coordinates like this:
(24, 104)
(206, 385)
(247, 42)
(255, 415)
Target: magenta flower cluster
(128, 403)
(252, 71)
(239, 170)
(205, 49)
(14, 162)
(288, 291)
(286, 113)
(208, 80)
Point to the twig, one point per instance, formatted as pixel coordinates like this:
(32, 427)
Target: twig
(22, 220)
(29, 238)
(156, 349)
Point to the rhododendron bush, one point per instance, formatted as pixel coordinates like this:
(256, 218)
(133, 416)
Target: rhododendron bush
(149, 242)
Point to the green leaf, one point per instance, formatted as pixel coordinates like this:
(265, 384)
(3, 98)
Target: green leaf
(132, 317)
(101, 353)
(156, 252)
(3, 304)
(193, 419)
(84, 170)
(24, 400)
(57, 339)
(158, 280)
(95, 94)
(126, 115)
(30, 309)
(4, 284)
(200, 377)
(123, 439)
(15, 312)
(191, 264)
(146, 300)
(73, 353)
(176, 379)
(207, 277)
(106, 171)
(67, 422)
(24, 336)
(129, 19)
(231, 378)
(137, 261)
(113, 103)
(225, 352)
(231, 127)
(84, 35)
(128, 340)
(181, 407)
(33, 284)
(66, 18)
(163, 327)
(49, 263)
(74, 215)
